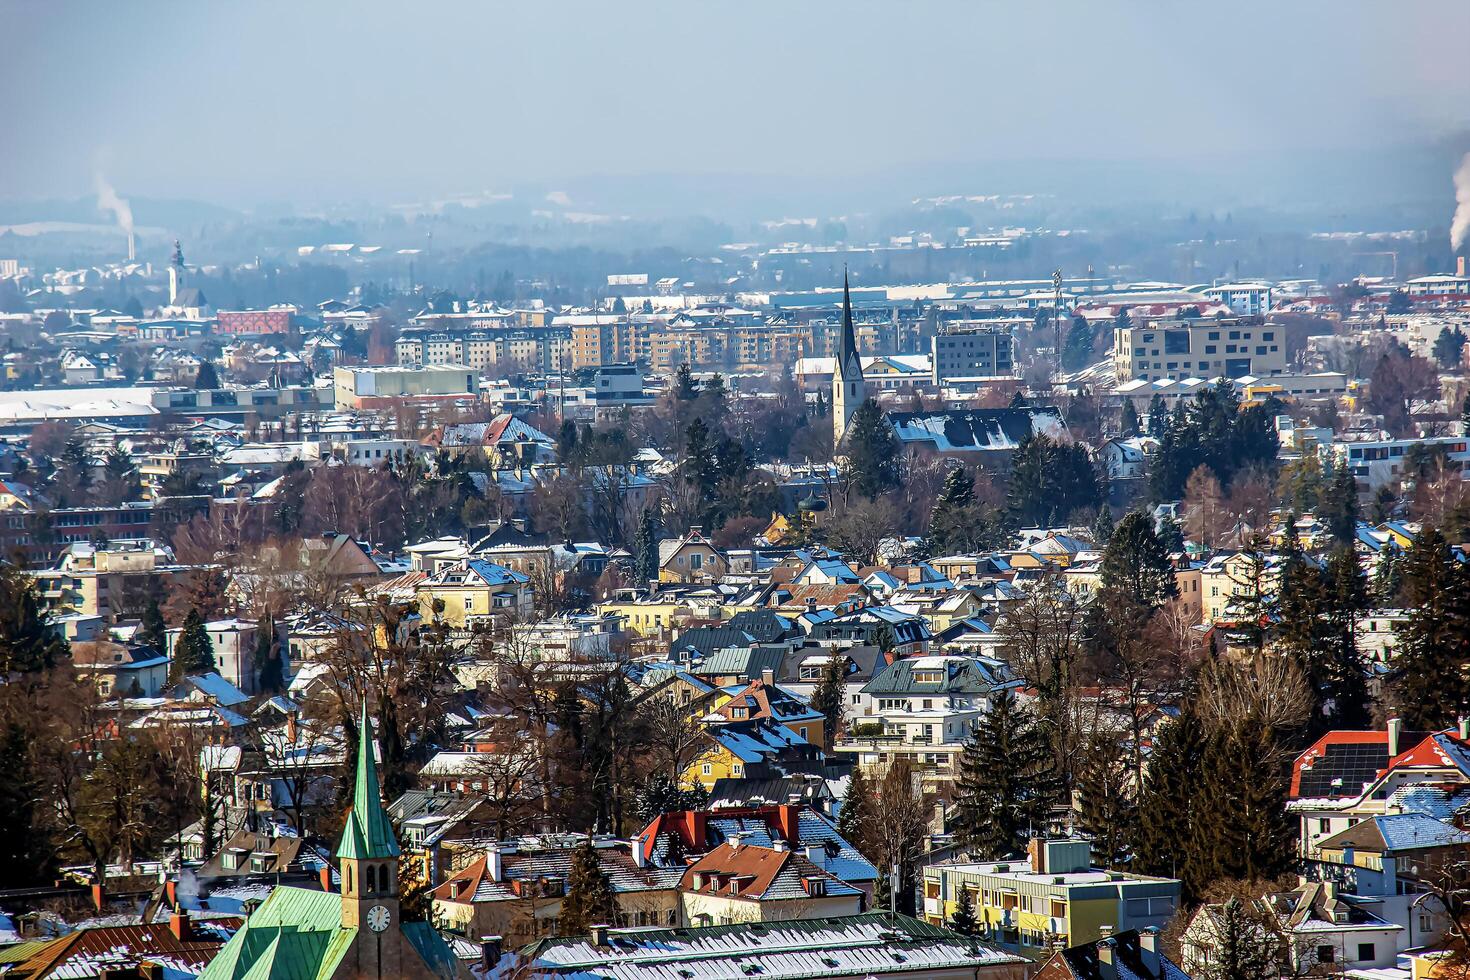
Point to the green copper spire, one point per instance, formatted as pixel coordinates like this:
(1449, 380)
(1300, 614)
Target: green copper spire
(367, 833)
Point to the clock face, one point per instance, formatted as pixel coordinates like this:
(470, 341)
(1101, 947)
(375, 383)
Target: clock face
(378, 918)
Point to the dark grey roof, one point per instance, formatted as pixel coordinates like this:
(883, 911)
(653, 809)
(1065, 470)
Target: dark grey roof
(961, 675)
(810, 790)
(766, 625)
(866, 659)
(707, 639)
(996, 429)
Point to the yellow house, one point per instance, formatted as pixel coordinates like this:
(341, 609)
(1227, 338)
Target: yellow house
(732, 749)
(1226, 576)
(690, 559)
(475, 592)
(1053, 895)
(647, 617)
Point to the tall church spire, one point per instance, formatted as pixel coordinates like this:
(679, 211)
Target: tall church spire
(368, 832)
(848, 390)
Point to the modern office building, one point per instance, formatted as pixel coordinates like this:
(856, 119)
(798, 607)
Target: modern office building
(1199, 348)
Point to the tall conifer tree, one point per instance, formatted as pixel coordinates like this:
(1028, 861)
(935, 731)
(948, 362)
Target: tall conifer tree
(1007, 781)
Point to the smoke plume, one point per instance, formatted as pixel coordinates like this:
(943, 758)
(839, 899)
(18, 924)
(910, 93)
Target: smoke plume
(107, 200)
(1460, 227)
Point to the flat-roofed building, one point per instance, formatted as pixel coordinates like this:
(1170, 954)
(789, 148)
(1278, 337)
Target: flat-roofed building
(1203, 348)
(376, 387)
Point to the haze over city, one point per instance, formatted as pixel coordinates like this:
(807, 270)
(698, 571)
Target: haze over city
(656, 491)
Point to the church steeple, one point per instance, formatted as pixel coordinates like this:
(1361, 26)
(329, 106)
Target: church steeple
(368, 832)
(848, 390)
(368, 851)
(175, 274)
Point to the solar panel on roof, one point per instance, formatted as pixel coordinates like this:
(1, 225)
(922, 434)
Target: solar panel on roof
(1343, 769)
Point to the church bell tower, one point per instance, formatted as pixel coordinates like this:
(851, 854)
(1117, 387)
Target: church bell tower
(175, 275)
(848, 391)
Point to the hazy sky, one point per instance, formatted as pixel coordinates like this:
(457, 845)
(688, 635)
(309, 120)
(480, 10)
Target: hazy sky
(238, 102)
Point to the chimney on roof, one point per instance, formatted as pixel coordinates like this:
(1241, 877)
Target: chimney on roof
(1395, 729)
(1465, 728)
(768, 676)
(324, 876)
(811, 603)
(495, 863)
(180, 926)
(1148, 950)
(599, 934)
(817, 854)
(1460, 266)
(737, 839)
(1105, 949)
(779, 846)
(1036, 851)
(489, 951)
(639, 859)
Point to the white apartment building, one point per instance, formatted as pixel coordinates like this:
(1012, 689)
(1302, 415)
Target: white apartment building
(1243, 298)
(1200, 348)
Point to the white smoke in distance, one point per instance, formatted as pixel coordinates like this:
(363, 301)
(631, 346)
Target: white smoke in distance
(108, 200)
(1460, 226)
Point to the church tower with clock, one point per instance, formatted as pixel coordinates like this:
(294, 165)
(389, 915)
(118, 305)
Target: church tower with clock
(352, 935)
(367, 858)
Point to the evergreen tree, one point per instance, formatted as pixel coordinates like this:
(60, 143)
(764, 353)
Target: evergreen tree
(206, 379)
(1338, 505)
(1049, 480)
(663, 794)
(1448, 346)
(566, 440)
(1465, 415)
(25, 846)
(953, 511)
(193, 651)
(28, 643)
(1077, 353)
(1007, 781)
(1430, 684)
(1171, 536)
(684, 387)
(870, 451)
(1130, 425)
(1158, 417)
(152, 631)
(1102, 528)
(645, 549)
(1299, 594)
(590, 899)
(1246, 832)
(271, 672)
(1135, 563)
(1243, 946)
(1107, 812)
(963, 921)
(1387, 575)
(1346, 701)
(858, 812)
(1252, 603)
(830, 696)
(1165, 846)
